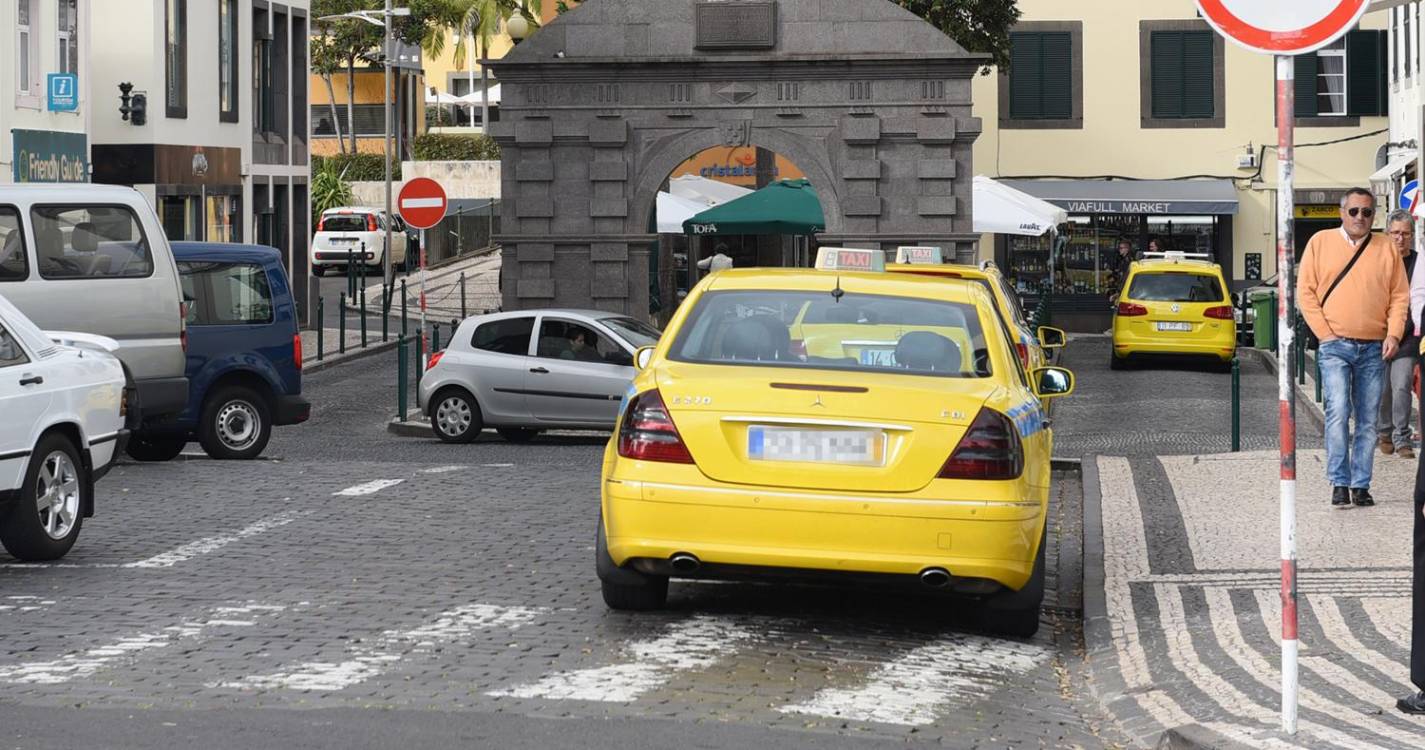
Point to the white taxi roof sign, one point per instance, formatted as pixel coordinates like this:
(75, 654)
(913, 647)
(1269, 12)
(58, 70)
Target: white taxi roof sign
(919, 255)
(850, 259)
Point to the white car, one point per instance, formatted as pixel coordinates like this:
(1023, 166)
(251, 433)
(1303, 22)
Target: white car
(358, 234)
(64, 398)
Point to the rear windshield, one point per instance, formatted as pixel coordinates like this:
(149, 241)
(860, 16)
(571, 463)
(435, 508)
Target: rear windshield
(811, 330)
(226, 293)
(1176, 286)
(344, 223)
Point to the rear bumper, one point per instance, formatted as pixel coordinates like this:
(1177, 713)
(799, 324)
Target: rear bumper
(340, 257)
(161, 397)
(1221, 345)
(740, 531)
(291, 410)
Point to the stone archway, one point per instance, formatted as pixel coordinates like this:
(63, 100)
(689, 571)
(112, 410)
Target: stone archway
(871, 102)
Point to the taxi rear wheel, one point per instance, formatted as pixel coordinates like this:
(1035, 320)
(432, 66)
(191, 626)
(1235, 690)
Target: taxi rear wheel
(1016, 613)
(1116, 362)
(624, 588)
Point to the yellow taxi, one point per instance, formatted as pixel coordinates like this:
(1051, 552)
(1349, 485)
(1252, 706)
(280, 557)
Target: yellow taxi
(767, 435)
(1174, 304)
(1033, 349)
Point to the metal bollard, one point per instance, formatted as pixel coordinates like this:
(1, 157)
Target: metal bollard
(401, 387)
(1236, 405)
(321, 326)
(363, 316)
(341, 326)
(350, 273)
(403, 307)
(462, 295)
(435, 338)
(385, 313)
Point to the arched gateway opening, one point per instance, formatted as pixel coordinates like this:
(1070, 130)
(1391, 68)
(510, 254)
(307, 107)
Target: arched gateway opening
(871, 104)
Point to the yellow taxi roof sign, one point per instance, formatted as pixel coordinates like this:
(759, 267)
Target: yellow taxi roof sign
(850, 259)
(919, 255)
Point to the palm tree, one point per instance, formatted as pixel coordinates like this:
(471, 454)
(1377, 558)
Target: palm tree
(476, 22)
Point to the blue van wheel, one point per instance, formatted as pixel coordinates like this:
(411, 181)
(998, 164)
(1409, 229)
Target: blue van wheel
(236, 423)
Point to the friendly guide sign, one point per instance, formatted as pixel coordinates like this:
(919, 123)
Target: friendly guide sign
(1282, 28)
(422, 203)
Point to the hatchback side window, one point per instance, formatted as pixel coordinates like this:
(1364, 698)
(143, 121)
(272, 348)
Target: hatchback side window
(90, 242)
(508, 336)
(227, 294)
(10, 352)
(14, 265)
(564, 339)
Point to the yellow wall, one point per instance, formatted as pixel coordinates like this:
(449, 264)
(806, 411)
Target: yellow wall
(368, 88)
(438, 70)
(1113, 143)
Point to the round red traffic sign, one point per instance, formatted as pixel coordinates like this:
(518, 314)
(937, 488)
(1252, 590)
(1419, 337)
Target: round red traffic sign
(421, 203)
(1282, 28)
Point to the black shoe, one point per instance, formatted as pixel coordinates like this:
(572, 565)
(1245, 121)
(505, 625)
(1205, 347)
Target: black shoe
(1341, 497)
(1362, 498)
(1415, 704)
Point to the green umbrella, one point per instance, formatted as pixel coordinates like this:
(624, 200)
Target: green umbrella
(783, 207)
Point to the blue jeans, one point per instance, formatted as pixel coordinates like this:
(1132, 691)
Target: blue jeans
(1352, 376)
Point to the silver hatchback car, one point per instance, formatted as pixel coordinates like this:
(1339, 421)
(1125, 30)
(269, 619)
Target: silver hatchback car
(532, 370)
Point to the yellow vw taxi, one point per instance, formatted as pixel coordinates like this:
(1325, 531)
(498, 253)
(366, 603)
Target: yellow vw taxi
(897, 440)
(1174, 304)
(1032, 348)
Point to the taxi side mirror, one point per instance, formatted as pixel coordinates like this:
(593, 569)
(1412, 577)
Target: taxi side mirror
(1052, 338)
(1053, 382)
(642, 357)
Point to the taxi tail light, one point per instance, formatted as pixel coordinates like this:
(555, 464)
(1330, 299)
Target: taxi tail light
(1219, 313)
(1023, 350)
(1129, 308)
(434, 358)
(990, 449)
(648, 433)
(371, 222)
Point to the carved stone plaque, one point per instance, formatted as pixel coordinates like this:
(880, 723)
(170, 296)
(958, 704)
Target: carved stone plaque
(736, 24)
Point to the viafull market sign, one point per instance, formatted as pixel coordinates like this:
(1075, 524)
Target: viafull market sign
(50, 156)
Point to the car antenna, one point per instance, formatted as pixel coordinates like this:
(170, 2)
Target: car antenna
(837, 294)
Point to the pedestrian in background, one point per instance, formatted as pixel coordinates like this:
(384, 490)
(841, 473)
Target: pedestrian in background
(1395, 424)
(1353, 293)
(718, 261)
(1118, 270)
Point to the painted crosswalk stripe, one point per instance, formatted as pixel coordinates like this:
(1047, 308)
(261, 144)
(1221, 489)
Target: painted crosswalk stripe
(24, 603)
(365, 662)
(444, 469)
(214, 543)
(695, 643)
(85, 663)
(368, 488)
(915, 689)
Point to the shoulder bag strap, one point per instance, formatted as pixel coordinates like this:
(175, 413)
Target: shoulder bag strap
(1359, 251)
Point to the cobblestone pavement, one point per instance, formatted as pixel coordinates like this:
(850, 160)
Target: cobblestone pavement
(378, 581)
(1191, 568)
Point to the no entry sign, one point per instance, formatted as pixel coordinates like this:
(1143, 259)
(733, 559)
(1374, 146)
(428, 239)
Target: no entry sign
(1284, 27)
(422, 203)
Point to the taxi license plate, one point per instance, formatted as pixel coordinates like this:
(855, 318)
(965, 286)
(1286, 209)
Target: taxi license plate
(1174, 326)
(878, 357)
(864, 447)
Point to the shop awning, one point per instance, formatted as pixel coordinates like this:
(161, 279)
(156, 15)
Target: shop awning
(673, 211)
(1178, 197)
(783, 207)
(1395, 166)
(705, 191)
(1003, 210)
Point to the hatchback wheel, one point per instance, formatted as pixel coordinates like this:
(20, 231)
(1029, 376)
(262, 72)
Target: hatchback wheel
(517, 434)
(154, 448)
(236, 423)
(44, 523)
(319, 270)
(455, 416)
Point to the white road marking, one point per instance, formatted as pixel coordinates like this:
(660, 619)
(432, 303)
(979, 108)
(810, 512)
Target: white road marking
(83, 664)
(24, 604)
(369, 488)
(214, 543)
(443, 469)
(914, 689)
(496, 466)
(366, 662)
(695, 643)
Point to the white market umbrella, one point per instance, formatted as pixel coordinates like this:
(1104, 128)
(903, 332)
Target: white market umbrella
(705, 191)
(674, 210)
(474, 96)
(1000, 209)
(434, 96)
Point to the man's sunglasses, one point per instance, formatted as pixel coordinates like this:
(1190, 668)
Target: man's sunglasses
(1366, 212)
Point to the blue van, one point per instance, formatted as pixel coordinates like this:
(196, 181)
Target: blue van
(244, 355)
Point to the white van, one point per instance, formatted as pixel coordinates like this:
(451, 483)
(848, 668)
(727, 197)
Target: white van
(359, 234)
(94, 259)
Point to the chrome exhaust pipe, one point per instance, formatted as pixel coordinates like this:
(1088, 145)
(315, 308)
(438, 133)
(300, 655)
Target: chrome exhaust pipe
(935, 578)
(684, 562)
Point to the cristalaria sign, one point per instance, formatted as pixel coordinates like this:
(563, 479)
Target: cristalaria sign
(1283, 27)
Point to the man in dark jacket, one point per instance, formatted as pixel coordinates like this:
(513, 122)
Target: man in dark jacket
(1394, 423)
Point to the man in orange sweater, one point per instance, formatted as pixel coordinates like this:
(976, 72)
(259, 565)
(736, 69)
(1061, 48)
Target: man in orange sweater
(1353, 292)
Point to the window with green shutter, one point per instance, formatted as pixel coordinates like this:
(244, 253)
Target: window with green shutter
(1345, 78)
(1041, 76)
(1182, 74)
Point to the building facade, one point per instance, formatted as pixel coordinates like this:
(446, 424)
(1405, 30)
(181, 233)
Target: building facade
(1144, 124)
(203, 107)
(45, 107)
(1407, 96)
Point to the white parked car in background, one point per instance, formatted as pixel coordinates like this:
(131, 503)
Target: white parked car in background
(64, 399)
(359, 234)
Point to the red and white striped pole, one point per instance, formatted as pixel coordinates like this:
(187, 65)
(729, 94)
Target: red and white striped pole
(1286, 278)
(425, 342)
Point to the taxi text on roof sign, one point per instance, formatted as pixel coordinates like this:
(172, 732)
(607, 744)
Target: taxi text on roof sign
(919, 255)
(850, 259)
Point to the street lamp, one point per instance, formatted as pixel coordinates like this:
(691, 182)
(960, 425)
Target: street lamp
(518, 27)
(383, 19)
